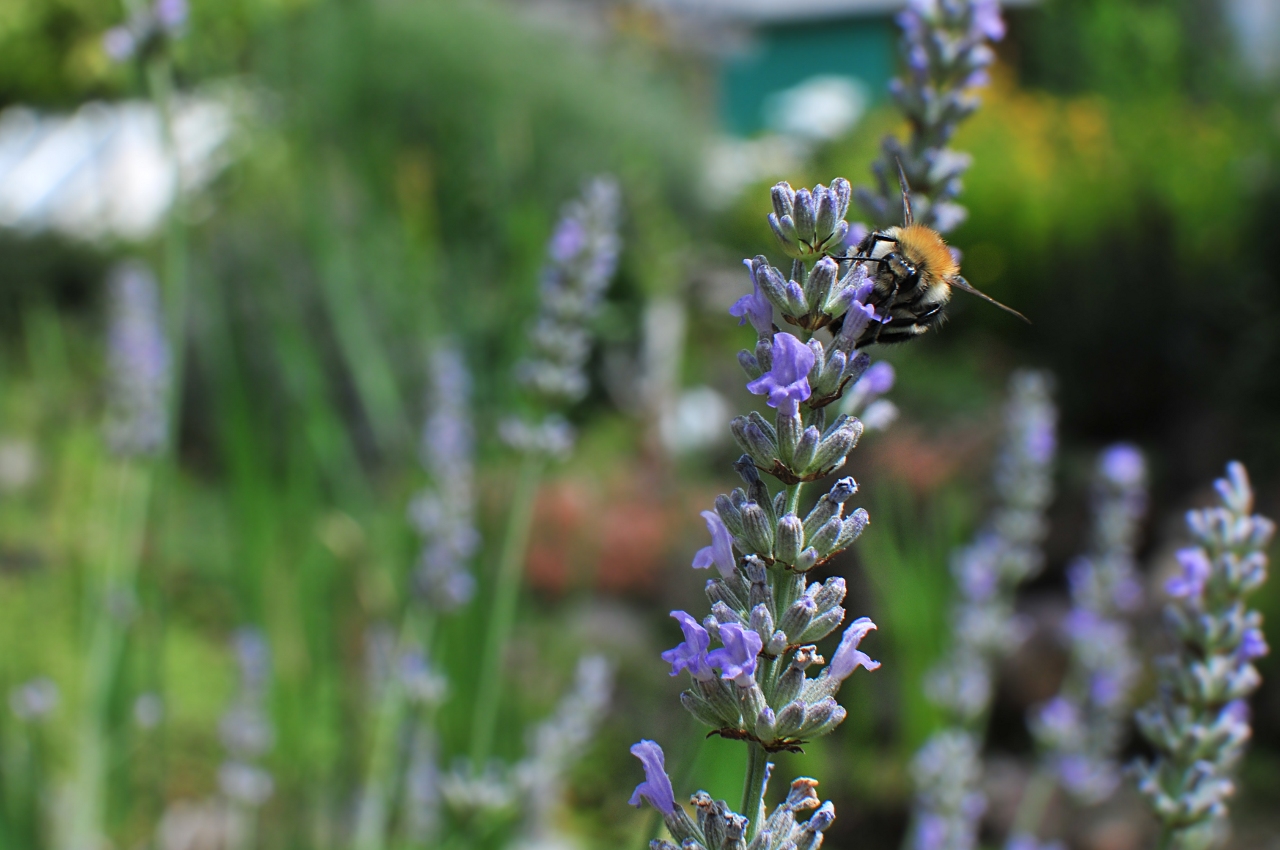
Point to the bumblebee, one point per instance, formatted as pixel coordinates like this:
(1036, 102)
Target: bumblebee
(913, 272)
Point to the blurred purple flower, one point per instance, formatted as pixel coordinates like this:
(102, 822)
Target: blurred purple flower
(569, 239)
(878, 380)
(1195, 572)
(171, 14)
(1253, 644)
(119, 43)
(987, 22)
(1123, 465)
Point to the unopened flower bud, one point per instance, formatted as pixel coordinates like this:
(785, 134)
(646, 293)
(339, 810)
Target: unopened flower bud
(790, 719)
(757, 531)
(795, 620)
(790, 539)
(824, 539)
(822, 625)
(806, 450)
(761, 621)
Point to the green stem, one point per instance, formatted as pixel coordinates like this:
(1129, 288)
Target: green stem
(793, 497)
(1034, 802)
(160, 88)
(374, 810)
(129, 498)
(506, 593)
(753, 788)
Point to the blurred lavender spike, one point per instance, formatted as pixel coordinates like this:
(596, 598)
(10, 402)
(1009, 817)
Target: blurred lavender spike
(1081, 729)
(421, 812)
(949, 800)
(581, 259)
(245, 729)
(945, 54)
(34, 700)
(147, 29)
(533, 787)
(558, 742)
(1198, 722)
(443, 514)
(138, 363)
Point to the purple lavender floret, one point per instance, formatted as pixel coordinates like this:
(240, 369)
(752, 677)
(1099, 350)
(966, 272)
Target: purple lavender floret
(1198, 723)
(736, 660)
(720, 552)
(848, 657)
(755, 307)
(787, 383)
(690, 655)
(656, 789)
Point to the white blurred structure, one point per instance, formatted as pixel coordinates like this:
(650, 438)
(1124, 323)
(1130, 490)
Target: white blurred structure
(105, 171)
(1256, 26)
(823, 107)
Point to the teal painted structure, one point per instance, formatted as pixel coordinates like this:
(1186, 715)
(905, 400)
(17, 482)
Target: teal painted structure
(785, 55)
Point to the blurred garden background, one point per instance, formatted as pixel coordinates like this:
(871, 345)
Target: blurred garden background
(361, 181)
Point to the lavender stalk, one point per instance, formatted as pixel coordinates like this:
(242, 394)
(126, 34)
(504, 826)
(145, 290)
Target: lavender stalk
(443, 516)
(1199, 721)
(139, 387)
(946, 52)
(948, 769)
(1081, 729)
(582, 258)
(765, 614)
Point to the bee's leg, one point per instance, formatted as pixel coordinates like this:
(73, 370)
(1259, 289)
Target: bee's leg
(888, 312)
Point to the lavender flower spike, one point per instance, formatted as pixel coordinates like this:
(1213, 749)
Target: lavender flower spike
(787, 383)
(138, 361)
(692, 654)
(737, 659)
(1199, 721)
(946, 56)
(656, 788)
(848, 657)
(1081, 730)
(443, 513)
(949, 800)
(720, 552)
(582, 256)
(148, 28)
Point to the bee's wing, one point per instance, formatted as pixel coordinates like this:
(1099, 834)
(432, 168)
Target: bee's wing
(960, 283)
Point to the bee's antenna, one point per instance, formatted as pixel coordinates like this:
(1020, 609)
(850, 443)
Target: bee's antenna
(960, 283)
(907, 217)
